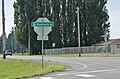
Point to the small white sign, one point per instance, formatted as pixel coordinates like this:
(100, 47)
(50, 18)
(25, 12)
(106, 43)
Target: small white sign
(40, 37)
(53, 44)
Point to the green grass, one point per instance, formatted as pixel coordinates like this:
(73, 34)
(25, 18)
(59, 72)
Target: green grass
(64, 55)
(14, 69)
(20, 54)
(55, 55)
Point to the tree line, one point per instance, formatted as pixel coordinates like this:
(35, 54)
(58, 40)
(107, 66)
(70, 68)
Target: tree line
(12, 44)
(93, 22)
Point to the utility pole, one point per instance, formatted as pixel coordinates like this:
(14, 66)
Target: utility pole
(28, 21)
(29, 38)
(12, 40)
(78, 20)
(4, 34)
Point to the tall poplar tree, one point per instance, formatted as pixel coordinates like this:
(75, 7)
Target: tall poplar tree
(93, 22)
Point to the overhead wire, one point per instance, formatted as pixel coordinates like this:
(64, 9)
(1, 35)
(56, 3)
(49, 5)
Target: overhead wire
(88, 26)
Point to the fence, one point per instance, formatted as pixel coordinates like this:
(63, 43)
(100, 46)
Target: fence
(106, 50)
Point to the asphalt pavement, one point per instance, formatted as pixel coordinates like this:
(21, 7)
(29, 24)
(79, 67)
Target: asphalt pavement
(81, 68)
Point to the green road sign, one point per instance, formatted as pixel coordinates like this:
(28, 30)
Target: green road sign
(42, 24)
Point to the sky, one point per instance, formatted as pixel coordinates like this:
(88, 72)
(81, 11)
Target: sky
(9, 16)
(113, 7)
(114, 13)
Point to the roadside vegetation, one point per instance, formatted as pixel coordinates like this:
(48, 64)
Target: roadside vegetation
(64, 55)
(55, 55)
(14, 69)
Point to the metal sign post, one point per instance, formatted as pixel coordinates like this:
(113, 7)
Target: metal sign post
(42, 26)
(42, 48)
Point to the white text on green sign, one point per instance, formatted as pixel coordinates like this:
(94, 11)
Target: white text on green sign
(42, 24)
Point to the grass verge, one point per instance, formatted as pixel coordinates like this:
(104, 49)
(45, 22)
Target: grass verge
(14, 69)
(55, 55)
(64, 55)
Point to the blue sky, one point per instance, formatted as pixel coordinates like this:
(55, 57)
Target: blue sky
(114, 12)
(113, 7)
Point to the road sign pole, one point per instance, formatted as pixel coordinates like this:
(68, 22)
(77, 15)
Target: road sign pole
(42, 48)
(42, 26)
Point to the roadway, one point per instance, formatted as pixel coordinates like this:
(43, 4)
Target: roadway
(82, 68)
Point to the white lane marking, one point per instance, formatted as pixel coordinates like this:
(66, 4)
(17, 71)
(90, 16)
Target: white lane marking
(109, 70)
(85, 75)
(97, 71)
(84, 65)
(62, 74)
(47, 78)
(114, 72)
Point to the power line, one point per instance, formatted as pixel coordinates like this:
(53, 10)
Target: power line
(88, 27)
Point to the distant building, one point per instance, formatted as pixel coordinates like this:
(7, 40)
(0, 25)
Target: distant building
(112, 45)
